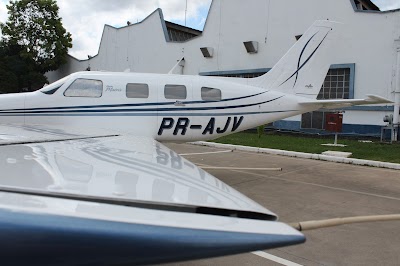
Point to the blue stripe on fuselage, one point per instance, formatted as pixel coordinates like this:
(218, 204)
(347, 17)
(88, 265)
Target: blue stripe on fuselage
(148, 114)
(129, 105)
(176, 109)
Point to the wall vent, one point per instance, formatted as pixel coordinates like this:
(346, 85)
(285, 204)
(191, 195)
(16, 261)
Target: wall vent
(207, 52)
(251, 47)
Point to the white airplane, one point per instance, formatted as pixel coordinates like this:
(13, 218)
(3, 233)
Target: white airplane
(85, 179)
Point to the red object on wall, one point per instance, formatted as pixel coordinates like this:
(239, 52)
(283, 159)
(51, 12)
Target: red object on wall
(334, 122)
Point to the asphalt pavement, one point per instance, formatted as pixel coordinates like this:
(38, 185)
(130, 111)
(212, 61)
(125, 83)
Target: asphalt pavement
(312, 190)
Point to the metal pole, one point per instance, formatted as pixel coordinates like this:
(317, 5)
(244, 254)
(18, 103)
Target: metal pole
(336, 138)
(396, 119)
(185, 12)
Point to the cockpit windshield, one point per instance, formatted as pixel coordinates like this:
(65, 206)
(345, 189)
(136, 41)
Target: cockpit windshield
(53, 87)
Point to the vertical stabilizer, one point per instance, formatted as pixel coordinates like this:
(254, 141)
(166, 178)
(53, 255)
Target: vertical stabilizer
(303, 68)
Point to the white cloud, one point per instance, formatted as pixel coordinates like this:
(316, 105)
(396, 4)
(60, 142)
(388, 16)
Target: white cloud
(3, 11)
(201, 21)
(387, 4)
(85, 19)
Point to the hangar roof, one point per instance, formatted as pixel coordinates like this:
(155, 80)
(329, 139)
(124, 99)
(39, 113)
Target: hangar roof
(179, 33)
(366, 5)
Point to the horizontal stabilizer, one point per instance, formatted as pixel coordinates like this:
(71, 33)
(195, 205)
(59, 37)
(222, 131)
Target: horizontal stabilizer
(336, 103)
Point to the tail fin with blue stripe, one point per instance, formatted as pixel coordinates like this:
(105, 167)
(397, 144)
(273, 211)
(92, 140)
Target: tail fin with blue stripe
(303, 68)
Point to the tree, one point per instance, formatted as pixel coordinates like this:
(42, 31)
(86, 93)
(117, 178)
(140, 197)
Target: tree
(35, 37)
(17, 74)
(8, 79)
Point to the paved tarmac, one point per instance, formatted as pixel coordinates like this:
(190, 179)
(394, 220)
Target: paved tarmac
(313, 190)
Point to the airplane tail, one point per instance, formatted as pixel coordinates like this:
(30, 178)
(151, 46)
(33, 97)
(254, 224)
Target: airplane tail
(303, 68)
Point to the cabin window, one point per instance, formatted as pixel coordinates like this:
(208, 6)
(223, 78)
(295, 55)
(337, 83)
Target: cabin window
(53, 87)
(51, 90)
(85, 88)
(175, 92)
(137, 90)
(210, 94)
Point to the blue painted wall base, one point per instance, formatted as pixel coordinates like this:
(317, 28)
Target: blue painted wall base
(348, 129)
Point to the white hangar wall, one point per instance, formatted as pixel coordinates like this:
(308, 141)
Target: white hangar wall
(140, 47)
(368, 48)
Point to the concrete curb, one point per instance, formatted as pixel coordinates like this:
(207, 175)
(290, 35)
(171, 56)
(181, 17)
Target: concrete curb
(303, 155)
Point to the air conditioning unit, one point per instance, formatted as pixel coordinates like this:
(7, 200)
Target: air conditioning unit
(388, 119)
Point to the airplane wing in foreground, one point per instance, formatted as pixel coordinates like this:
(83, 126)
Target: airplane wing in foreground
(109, 199)
(338, 103)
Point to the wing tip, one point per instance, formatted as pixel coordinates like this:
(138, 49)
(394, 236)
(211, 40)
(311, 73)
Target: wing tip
(377, 99)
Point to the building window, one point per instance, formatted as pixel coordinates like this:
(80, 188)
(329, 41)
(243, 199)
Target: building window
(336, 84)
(175, 92)
(365, 5)
(137, 90)
(313, 120)
(85, 88)
(210, 94)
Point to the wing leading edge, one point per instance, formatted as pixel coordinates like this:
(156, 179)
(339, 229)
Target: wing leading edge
(116, 199)
(337, 103)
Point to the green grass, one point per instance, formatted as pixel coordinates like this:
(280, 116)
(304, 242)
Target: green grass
(376, 151)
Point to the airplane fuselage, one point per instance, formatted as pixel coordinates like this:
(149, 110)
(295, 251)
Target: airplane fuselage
(165, 107)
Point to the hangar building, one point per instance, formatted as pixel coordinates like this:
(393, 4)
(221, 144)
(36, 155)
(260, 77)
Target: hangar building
(246, 38)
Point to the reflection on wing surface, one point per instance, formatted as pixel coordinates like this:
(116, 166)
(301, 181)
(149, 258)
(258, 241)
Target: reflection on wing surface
(125, 169)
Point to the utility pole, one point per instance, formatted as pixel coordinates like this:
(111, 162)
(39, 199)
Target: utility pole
(396, 119)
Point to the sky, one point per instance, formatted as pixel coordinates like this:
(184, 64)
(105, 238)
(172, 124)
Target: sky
(387, 4)
(85, 19)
